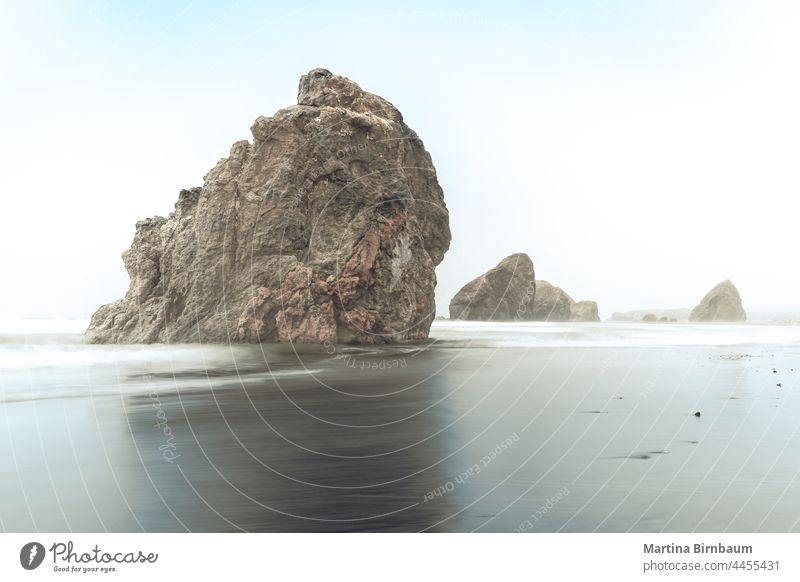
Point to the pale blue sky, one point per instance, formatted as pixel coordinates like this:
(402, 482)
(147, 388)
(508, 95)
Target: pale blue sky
(640, 152)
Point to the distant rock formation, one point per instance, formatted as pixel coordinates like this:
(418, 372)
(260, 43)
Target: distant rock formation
(554, 304)
(649, 318)
(327, 227)
(672, 315)
(504, 293)
(584, 311)
(722, 303)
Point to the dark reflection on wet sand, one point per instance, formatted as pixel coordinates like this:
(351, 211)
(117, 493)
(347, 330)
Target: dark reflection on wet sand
(443, 439)
(299, 455)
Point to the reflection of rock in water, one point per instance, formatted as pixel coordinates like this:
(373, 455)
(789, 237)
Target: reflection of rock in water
(255, 455)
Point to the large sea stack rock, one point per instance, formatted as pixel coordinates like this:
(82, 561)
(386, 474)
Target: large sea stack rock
(552, 303)
(584, 311)
(326, 227)
(722, 303)
(504, 293)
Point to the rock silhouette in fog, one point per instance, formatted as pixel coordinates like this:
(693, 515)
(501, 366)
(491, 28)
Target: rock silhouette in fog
(722, 303)
(554, 304)
(504, 293)
(584, 311)
(326, 227)
(672, 315)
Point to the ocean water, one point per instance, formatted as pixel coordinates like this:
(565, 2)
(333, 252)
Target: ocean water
(486, 427)
(612, 335)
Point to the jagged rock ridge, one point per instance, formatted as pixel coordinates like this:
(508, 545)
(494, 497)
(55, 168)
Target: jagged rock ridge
(326, 227)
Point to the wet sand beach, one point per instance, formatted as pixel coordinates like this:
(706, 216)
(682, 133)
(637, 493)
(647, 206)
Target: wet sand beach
(489, 427)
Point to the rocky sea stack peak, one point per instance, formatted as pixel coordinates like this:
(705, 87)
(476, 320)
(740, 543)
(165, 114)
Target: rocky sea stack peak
(327, 227)
(321, 88)
(722, 303)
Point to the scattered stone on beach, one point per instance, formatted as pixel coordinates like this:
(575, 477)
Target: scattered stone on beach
(722, 304)
(326, 227)
(503, 293)
(697, 414)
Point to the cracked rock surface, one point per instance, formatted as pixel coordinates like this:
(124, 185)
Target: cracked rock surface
(326, 227)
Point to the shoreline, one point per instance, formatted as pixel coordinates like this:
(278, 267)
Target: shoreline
(609, 432)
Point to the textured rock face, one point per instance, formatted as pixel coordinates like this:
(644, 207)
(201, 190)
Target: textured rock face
(552, 303)
(504, 293)
(722, 303)
(326, 227)
(584, 311)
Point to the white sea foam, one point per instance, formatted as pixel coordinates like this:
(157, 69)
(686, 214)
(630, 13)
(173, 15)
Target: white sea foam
(35, 364)
(42, 326)
(606, 334)
(47, 359)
